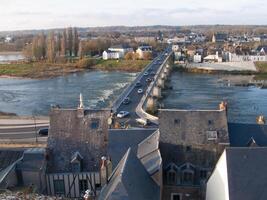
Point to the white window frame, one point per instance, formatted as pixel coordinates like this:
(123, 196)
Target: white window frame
(180, 195)
(212, 135)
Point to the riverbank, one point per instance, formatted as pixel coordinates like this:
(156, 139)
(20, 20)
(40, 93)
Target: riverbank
(43, 70)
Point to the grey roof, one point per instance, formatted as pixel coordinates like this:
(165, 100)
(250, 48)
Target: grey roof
(121, 140)
(241, 134)
(149, 154)
(33, 159)
(247, 177)
(130, 180)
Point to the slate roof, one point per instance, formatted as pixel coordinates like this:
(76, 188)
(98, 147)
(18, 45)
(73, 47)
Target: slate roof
(121, 140)
(247, 177)
(149, 154)
(240, 135)
(130, 181)
(8, 157)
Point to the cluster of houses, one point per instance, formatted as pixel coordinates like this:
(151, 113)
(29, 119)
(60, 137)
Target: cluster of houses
(119, 51)
(213, 54)
(193, 155)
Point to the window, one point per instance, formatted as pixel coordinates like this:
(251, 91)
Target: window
(95, 124)
(171, 177)
(175, 196)
(188, 177)
(83, 186)
(177, 121)
(210, 122)
(59, 187)
(212, 135)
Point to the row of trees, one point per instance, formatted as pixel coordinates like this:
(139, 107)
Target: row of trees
(50, 47)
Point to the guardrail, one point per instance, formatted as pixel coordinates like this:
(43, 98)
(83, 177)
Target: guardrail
(129, 89)
(139, 109)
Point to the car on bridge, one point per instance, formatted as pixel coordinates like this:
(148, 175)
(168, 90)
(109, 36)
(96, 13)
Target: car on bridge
(140, 91)
(148, 80)
(126, 101)
(123, 114)
(138, 84)
(146, 74)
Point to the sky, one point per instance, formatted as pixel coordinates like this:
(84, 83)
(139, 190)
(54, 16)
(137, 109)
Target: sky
(43, 14)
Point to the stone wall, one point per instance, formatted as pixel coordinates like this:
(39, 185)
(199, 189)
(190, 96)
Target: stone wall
(85, 131)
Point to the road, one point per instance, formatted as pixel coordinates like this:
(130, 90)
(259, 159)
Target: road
(11, 129)
(135, 98)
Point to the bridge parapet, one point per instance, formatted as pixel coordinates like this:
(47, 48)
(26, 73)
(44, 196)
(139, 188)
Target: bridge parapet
(149, 100)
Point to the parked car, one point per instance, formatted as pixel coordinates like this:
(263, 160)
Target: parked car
(148, 80)
(43, 132)
(138, 84)
(139, 91)
(126, 101)
(122, 114)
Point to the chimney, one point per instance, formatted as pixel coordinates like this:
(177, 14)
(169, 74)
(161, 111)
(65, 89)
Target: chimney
(105, 170)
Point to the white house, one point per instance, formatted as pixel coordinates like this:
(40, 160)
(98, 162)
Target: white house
(245, 58)
(106, 55)
(175, 47)
(239, 174)
(121, 48)
(116, 52)
(142, 50)
(197, 58)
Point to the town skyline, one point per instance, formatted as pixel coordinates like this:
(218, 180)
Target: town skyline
(37, 15)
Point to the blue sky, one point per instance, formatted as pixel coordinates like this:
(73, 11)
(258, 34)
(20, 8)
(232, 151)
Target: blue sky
(38, 14)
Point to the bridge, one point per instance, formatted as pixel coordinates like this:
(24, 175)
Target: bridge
(145, 104)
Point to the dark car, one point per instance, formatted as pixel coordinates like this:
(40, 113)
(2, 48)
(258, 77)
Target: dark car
(138, 84)
(148, 80)
(126, 101)
(43, 132)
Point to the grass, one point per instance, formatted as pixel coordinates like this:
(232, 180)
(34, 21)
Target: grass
(49, 70)
(121, 65)
(261, 66)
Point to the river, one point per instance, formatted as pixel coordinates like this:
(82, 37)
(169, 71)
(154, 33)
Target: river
(34, 97)
(204, 91)
(100, 89)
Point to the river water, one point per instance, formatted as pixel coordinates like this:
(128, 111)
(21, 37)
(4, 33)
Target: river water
(204, 91)
(34, 97)
(100, 89)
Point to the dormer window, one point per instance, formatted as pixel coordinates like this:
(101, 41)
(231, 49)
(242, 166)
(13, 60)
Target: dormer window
(76, 162)
(212, 135)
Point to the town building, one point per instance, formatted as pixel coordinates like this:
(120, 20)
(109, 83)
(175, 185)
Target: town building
(219, 38)
(116, 52)
(143, 49)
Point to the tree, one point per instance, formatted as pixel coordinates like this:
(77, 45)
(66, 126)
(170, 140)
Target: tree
(63, 44)
(147, 56)
(51, 47)
(81, 52)
(69, 41)
(75, 42)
